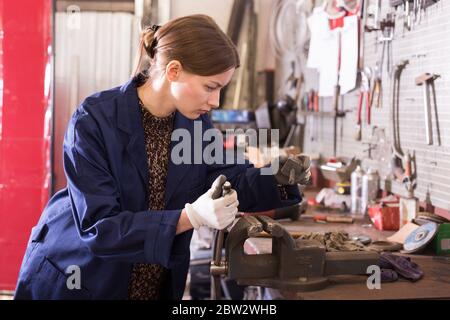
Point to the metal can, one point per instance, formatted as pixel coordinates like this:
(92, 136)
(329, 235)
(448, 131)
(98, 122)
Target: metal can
(356, 190)
(370, 187)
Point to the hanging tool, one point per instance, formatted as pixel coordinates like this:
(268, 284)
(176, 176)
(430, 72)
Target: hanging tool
(366, 84)
(427, 81)
(396, 148)
(337, 91)
(364, 97)
(418, 6)
(362, 19)
(373, 13)
(337, 24)
(375, 95)
(407, 19)
(308, 106)
(397, 152)
(413, 10)
(305, 102)
(407, 12)
(336, 96)
(387, 28)
(396, 3)
(410, 176)
(311, 101)
(316, 101)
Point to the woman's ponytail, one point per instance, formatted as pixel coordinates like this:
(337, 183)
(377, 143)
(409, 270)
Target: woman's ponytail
(147, 49)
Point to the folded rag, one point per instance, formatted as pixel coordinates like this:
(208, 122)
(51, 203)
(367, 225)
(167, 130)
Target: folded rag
(335, 241)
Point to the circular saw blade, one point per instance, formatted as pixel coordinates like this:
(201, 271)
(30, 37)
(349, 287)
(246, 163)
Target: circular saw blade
(420, 238)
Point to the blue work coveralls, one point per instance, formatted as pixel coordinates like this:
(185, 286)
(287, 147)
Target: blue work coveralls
(100, 225)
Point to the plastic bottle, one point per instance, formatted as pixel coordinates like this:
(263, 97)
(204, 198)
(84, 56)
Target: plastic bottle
(356, 190)
(370, 187)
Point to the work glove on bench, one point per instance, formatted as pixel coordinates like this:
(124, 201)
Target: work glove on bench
(402, 265)
(292, 169)
(388, 275)
(214, 213)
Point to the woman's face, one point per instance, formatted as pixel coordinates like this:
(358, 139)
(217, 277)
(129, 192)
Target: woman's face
(195, 95)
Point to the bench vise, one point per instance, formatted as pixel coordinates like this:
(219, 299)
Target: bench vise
(294, 265)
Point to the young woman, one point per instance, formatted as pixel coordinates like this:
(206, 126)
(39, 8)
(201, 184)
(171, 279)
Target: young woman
(121, 228)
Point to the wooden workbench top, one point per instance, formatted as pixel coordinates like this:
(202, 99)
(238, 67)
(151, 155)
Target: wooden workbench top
(434, 285)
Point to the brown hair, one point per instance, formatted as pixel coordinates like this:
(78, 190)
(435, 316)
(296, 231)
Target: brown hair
(196, 41)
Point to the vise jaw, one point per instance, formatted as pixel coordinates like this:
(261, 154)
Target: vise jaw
(302, 265)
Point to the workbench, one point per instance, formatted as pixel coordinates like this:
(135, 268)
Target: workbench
(434, 285)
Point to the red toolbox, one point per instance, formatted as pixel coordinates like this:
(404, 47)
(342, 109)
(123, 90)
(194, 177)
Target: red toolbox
(385, 214)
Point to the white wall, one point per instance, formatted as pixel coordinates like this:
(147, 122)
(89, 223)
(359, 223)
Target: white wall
(218, 10)
(93, 54)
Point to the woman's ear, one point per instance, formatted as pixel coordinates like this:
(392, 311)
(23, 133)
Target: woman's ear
(173, 70)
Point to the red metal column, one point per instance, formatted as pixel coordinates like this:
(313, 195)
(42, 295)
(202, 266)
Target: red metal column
(26, 78)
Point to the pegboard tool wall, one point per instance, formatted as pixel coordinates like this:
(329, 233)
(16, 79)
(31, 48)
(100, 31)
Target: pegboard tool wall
(427, 47)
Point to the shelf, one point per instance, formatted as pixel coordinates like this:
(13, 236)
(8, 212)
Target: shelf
(339, 114)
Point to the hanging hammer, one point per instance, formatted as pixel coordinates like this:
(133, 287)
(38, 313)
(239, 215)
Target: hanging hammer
(427, 80)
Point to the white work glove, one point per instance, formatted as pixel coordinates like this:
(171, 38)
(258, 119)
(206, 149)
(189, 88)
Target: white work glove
(214, 213)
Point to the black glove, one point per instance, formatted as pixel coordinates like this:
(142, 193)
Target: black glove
(292, 170)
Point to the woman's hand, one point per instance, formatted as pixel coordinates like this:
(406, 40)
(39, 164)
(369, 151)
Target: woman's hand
(214, 213)
(292, 170)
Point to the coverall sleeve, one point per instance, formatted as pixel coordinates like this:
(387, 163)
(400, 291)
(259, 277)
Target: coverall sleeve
(256, 192)
(107, 230)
